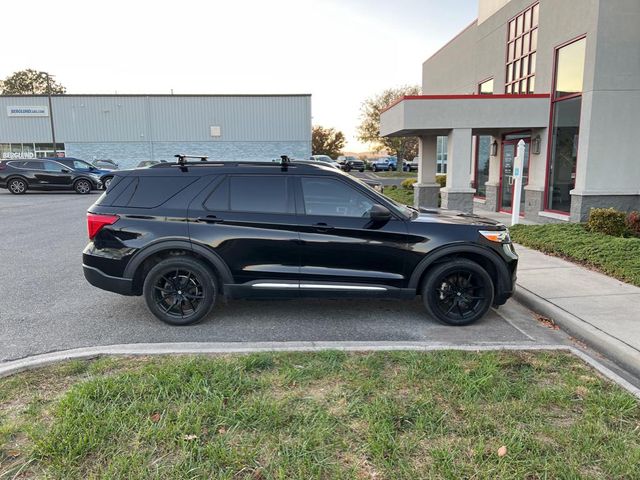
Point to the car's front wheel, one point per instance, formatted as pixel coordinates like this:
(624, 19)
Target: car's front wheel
(458, 292)
(82, 186)
(17, 186)
(180, 291)
(106, 181)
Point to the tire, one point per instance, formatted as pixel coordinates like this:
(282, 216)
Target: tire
(347, 168)
(458, 292)
(82, 186)
(375, 169)
(106, 181)
(361, 170)
(17, 185)
(166, 286)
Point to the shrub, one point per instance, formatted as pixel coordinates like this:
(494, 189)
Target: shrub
(633, 223)
(391, 187)
(441, 180)
(408, 183)
(608, 221)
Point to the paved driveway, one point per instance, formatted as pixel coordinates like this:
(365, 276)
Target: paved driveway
(46, 305)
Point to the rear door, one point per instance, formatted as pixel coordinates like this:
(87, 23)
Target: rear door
(341, 246)
(249, 221)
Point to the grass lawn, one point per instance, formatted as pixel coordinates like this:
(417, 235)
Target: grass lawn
(618, 257)
(401, 195)
(397, 174)
(320, 415)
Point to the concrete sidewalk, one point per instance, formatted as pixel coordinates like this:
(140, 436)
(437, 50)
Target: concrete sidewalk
(600, 310)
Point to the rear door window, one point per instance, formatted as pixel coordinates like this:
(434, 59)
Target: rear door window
(260, 193)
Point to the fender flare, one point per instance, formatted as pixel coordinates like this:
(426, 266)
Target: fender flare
(141, 255)
(438, 254)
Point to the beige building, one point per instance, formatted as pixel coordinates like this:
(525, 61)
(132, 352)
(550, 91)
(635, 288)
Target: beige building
(564, 77)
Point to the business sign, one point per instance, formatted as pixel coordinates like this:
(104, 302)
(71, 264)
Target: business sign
(28, 111)
(17, 155)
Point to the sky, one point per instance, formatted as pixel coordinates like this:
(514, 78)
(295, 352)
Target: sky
(340, 51)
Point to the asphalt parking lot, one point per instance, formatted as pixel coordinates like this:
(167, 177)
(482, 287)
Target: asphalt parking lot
(46, 305)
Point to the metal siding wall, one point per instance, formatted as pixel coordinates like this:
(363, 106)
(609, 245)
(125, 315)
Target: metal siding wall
(97, 119)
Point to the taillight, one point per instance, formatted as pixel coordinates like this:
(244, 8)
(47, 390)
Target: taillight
(95, 222)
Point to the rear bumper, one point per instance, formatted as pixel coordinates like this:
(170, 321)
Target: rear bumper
(97, 278)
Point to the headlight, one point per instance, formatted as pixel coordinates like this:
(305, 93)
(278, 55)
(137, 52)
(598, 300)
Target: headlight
(497, 236)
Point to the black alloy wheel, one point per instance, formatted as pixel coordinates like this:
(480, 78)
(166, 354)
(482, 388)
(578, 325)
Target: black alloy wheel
(82, 186)
(180, 291)
(17, 186)
(458, 292)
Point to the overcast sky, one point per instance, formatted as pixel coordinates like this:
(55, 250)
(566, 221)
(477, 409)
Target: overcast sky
(340, 51)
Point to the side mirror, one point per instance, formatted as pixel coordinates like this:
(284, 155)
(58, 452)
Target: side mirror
(379, 214)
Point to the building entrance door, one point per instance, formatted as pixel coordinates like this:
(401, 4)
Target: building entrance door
(509, 151)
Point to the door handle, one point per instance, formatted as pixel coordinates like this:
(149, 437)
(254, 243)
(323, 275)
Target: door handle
(209, 219)
(321, 227)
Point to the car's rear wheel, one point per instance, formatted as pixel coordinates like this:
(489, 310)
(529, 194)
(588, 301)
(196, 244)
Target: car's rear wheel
(82, 186)
(458, 292)
(17, 186)
(180, 291)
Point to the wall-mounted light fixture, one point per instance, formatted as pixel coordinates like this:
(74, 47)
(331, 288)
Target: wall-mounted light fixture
(535, 145)
(494, 148)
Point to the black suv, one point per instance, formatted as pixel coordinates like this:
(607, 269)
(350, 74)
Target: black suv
(350, 163)
(185, 234)
(18, 176)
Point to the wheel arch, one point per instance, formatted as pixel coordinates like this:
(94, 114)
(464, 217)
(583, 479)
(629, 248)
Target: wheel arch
(484, 256)
(145, 259)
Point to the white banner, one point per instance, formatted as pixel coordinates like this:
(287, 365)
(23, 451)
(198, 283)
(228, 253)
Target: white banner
(35, 111)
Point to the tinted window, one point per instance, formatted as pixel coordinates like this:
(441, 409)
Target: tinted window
(326, 196)
(154, 191)
(219, 198)
(266, 194)
(33, 165)
(53, 167)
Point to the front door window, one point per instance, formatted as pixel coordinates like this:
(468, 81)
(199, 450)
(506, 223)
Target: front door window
(509, 151)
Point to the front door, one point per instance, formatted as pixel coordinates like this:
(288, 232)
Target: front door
(342, 249)
(507, 180)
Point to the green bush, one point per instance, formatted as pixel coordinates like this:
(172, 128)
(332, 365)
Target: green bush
(608, 221)
(441, 180)
(633, 223)
(408, 183)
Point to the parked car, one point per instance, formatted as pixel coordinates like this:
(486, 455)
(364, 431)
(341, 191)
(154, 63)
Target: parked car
(411, 166)
(149, 163)
(349, 163)
(185, 237)
(18, 176)
(325, 159)
(381, 165)
(79, 165)
(106, 164)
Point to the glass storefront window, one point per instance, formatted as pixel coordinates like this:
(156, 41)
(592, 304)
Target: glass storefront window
(482, 164)
(30, 150)
(564, 154)
(570, 68)
(441, 155)
(521, 47)
(486, 87)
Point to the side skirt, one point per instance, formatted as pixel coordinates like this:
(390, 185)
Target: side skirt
(294, 289)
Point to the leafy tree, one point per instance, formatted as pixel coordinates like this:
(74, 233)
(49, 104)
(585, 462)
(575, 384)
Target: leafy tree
(29, 82)
(327, 141)
(369, 128)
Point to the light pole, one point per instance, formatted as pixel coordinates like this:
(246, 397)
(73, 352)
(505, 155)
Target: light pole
(53, 131)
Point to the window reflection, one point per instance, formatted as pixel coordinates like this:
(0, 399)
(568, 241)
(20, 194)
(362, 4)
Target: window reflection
(570, 68)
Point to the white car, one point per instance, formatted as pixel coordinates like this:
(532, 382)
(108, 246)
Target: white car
(325, 159)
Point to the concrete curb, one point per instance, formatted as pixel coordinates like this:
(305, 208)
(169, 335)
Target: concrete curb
(37, 361)
(615, 350)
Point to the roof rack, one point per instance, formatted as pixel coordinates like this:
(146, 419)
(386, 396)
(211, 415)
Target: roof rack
(182, 158)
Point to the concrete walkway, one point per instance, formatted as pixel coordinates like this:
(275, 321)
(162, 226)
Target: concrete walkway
(600, 310)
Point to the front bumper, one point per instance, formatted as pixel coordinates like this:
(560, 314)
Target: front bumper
(97, 278)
